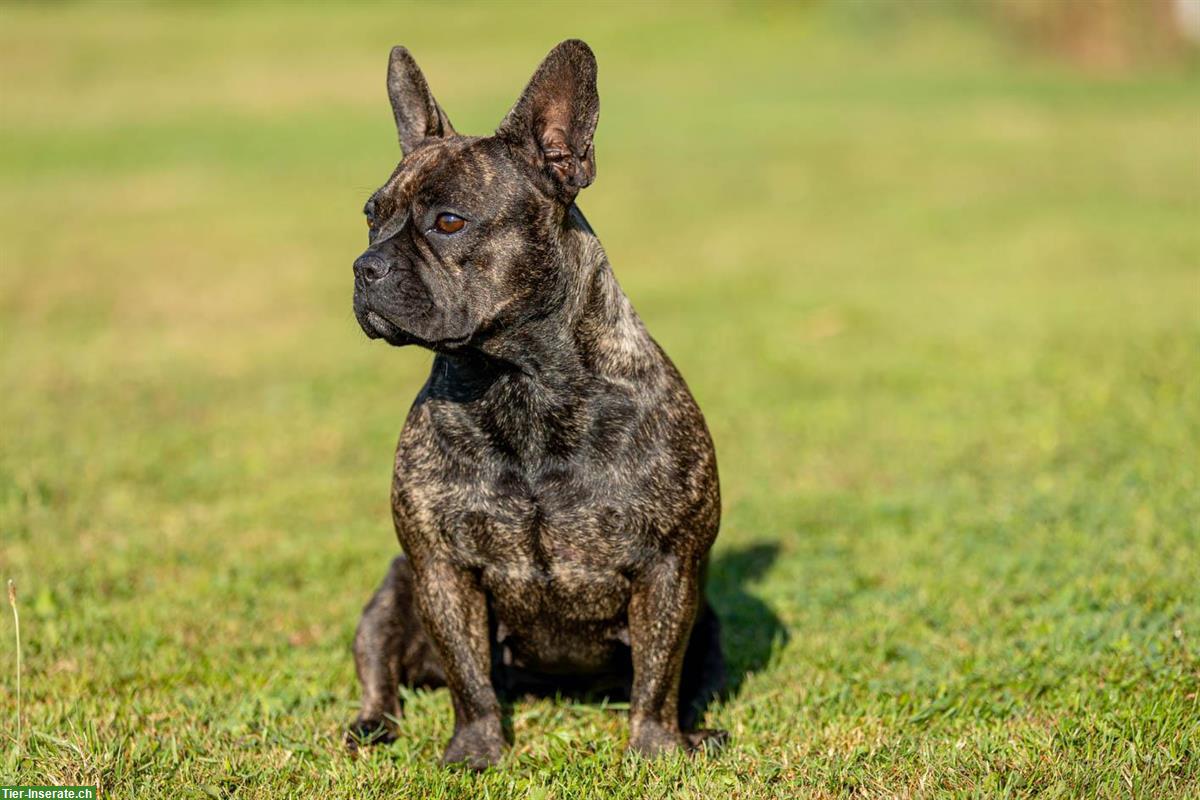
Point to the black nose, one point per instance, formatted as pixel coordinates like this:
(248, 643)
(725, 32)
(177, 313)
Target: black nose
(370, 267)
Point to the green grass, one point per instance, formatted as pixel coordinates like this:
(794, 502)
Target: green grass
(939, 298)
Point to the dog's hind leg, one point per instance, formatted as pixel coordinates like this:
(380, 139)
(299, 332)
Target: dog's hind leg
(390, 648)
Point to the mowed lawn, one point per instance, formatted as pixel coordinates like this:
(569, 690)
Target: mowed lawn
(938, 296)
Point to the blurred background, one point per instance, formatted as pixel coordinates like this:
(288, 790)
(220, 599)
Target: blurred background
(931, 268)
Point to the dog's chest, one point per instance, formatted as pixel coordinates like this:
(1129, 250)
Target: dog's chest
(558, 546)
(552, 505)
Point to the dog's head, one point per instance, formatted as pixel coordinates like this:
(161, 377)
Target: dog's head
(465, 235)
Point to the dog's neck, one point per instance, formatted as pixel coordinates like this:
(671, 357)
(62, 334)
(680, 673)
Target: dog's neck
(594, 333)
(536, 391)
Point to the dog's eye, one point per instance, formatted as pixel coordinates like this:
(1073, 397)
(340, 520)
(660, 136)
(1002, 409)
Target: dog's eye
(449, 223)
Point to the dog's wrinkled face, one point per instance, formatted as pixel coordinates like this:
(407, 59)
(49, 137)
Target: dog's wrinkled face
(460, 243)
(464, 235)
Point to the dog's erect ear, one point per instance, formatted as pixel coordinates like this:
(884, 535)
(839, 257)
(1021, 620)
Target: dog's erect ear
(418, 116)
(553, 122)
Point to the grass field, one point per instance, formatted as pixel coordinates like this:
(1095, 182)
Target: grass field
(939, 298)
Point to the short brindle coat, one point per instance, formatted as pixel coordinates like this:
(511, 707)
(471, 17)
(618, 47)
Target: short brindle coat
(555, 487)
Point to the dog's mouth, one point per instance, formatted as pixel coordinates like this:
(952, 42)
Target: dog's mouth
(379, 327)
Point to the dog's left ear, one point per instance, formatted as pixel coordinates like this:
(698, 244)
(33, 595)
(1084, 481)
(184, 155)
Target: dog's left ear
(553, 122)
(418, 116)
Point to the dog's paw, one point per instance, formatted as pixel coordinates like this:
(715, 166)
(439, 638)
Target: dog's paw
(477, 745)
(706, 740)
(653, 739)
(369, 732)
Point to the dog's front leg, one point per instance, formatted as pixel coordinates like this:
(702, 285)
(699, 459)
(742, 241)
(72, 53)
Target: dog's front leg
(662, 609)
(454, 610)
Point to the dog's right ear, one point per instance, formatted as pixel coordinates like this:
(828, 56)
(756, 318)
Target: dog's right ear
(418, 116)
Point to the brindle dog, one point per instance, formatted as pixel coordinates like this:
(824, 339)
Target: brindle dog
(555, 487)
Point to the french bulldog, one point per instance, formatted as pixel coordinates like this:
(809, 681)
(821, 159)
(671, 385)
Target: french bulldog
(555, 487)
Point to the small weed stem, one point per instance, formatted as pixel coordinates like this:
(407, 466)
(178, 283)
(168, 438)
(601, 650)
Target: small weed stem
(12, 601)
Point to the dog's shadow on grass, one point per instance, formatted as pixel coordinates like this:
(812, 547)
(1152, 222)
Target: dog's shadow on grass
(750, 629)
